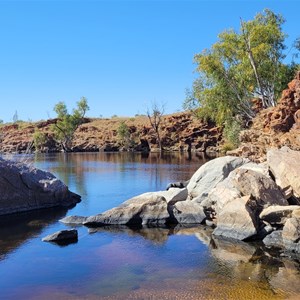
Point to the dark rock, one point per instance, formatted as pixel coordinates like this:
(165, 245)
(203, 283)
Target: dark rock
(62, 236)
(25, 188)
(178, 184)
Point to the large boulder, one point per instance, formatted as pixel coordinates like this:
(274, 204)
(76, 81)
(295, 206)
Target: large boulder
(237, 220)
(259, 186)
(284, 164)
(25, 188)
(210, 174)
(145, 209)
(242, 182)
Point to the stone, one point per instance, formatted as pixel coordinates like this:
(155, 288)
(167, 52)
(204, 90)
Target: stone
(178, 184)
(63, 235)
(173, 195)
(236, 220)
(210, 174)
(220, 195)
(262, 188)
(274, 239)
(284, 164)
(291, 230)
(260, 168)
(73, 220)
(25, 188)
(241, 182)
(276, 214)
(188, 212)
(145, 209)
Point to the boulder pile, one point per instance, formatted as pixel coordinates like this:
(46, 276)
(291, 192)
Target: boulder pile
(239, 199)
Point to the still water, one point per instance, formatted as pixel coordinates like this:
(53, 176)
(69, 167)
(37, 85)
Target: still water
(119, 263)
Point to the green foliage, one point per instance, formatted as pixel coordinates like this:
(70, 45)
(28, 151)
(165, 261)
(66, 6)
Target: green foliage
(231, 132)
(66, 124)
(124, 134)
(39, 139)
(240, 66)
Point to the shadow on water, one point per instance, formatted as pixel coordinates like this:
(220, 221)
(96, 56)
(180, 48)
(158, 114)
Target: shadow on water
(16, 229)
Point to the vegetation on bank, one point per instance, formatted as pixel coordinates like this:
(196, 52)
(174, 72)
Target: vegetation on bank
(243, 72)
(242, 68)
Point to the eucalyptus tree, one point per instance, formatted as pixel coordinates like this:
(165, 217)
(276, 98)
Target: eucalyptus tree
(67, 123)
(241, 66)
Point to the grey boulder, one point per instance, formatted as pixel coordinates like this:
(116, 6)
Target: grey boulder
(25, 188)
(237, 220)
(62, 236)
(145, 209)
(210, 174)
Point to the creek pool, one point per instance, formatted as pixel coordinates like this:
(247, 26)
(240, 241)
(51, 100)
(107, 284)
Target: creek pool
(121, 263)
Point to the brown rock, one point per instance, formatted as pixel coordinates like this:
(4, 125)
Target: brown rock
(284, 164)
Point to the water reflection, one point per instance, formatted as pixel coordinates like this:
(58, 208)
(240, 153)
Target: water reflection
(233, 262)
(17, 229)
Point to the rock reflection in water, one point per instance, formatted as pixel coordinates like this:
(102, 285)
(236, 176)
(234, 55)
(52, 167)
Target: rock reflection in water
(16, 229)
(234, 262)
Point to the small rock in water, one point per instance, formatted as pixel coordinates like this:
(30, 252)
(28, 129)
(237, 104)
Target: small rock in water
(77, 220)
(62, 236)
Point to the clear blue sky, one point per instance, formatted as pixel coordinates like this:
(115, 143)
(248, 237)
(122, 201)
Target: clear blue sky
(121, 55)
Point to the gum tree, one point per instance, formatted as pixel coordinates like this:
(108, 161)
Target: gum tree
(67, 123)
(240, 66)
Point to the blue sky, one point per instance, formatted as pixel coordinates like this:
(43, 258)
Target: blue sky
(121, 55)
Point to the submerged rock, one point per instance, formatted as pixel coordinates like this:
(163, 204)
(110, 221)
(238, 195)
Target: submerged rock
(24, 188)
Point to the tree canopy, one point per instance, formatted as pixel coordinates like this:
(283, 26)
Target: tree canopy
(66, 124)
(239, 67)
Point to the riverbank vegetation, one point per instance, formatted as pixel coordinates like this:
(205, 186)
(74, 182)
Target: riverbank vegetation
(243, 72)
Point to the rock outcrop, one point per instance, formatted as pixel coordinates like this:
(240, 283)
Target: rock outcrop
(179, 132)
(240, 200)
(25, 188)
(273, 127)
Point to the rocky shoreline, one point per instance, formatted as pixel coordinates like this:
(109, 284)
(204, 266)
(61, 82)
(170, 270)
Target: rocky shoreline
(238, 199)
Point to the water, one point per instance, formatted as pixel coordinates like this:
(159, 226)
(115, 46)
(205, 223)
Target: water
(119, 263)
